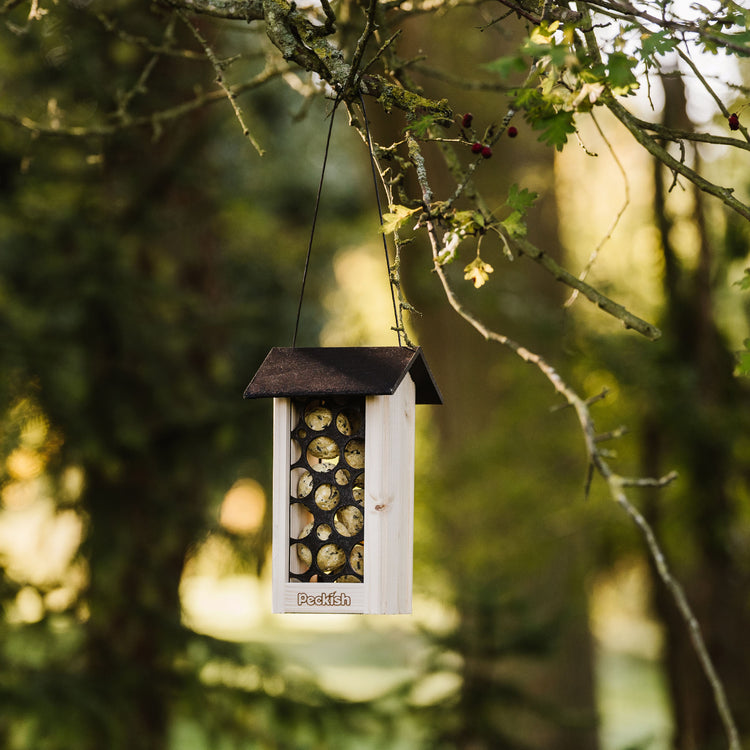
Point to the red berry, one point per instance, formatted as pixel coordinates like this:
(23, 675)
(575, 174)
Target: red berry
(486, 152)
(476, 148)
(512, 131)
(467, 120)
(734, 121)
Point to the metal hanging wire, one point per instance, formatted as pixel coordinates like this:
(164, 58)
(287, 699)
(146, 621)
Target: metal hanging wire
(315, 219)
(380, 213)
(314, 222)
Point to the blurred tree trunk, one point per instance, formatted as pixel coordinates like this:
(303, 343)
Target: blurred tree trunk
(702, 524)
(146, 491)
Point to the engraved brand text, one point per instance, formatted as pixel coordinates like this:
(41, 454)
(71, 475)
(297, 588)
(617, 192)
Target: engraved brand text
(330, 599)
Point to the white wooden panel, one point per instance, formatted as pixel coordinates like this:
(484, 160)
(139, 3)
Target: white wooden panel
(389, 500)
(282, 416)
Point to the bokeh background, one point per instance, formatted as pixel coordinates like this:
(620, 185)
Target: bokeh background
(143, 277)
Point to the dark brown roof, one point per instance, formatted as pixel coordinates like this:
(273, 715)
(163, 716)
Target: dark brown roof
(338, 371)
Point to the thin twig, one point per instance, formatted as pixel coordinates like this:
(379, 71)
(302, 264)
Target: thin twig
(140, 85)
(145, 43)
(674, 24)
(460, 82)
(218, 67)
(394, 269)
(615, 485)
(359, 50)
(719, 103)
(381, 50)
(154, 120)
(608, 234)
(649, 482)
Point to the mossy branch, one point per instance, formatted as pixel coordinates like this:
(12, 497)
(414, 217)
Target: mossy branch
(237, 10)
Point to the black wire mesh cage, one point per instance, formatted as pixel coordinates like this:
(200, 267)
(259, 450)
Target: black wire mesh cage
(328, 490)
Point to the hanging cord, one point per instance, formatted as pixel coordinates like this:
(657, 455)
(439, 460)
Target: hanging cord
(314, 222)
(380, 214)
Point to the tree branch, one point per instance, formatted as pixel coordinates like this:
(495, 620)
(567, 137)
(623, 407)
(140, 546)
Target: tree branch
(725, 195)
(603, 302)
(615, 483)
(238, 10)
(673, 24)
(300, 41)
(155, 120)
(229, 93)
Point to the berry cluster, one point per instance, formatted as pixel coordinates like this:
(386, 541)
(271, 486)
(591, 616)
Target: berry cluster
(477, 147)
(480, 148)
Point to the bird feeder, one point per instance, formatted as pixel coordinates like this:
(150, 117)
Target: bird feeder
(343, 475)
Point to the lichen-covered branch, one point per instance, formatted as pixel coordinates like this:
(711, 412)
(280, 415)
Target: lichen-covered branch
(237, 10)
(299, 40)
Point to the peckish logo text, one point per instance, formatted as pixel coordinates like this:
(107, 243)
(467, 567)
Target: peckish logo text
(330, 599)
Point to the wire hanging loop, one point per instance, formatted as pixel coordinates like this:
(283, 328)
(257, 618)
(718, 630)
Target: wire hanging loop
(380, 215)
(314, 222)
(315, 219)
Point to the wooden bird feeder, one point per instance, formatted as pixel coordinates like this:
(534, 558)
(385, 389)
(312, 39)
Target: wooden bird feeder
(343, 475)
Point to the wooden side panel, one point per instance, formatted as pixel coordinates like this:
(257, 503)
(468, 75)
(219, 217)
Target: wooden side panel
(282, 417)
(389, 500)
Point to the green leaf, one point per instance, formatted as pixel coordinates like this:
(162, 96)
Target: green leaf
(621, 78)
(555, 128)
(519, 199)
(528, 98)
(506, 66)
(557, 53)
(744, 282)
(463, 218)
(421, 127)
(741, 38)
(515, 224)
(396, 218)
(466, 222)
(657, 44)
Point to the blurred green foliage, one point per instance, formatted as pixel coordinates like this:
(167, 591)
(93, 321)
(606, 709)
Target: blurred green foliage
(144, 273)
(143, 277)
